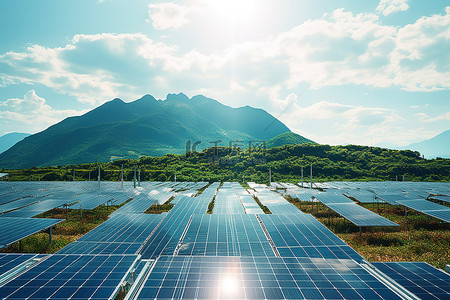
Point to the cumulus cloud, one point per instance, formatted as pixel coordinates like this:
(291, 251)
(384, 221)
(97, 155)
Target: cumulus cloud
(31, 112)
(167, 15)
(344, 122)
(387, 7)
(339, 48)
(428, 119)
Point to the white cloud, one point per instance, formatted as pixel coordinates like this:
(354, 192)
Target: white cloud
(31, 113)
(168, 15)
(387, 7)
(330, 122)
(339, 48)
(423, 117)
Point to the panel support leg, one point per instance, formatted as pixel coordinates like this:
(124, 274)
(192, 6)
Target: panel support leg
(50, 236)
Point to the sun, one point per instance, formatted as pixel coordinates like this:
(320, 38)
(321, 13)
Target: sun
(235, 11)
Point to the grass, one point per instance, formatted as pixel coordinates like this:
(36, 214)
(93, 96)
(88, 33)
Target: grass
(418, 238)
(76, 225)
(159, 209)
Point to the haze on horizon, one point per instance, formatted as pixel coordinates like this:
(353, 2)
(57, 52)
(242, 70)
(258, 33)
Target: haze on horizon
(359, 72)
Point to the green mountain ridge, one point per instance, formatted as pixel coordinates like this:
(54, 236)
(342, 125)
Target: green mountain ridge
(146, 126)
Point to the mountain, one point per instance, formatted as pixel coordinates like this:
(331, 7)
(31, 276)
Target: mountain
(287, 138)
(10, 139)
(438, 146)
(144, 127)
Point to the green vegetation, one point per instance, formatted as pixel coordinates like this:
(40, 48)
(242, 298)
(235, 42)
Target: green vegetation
(264, 208)
(418, 238)
(330, 163)
(159, 209)
(77, 224)
(287, 138)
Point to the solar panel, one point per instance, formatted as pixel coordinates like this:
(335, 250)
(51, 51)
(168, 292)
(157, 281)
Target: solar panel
(328, 198)
(422, 279)
(17, 204)
(227, 202)
(166, 237)
(250, 205)
(298, 235)
(71, 277)
(276, 203)
(90, 200)
(100, 248)
(35, 209)
(359, 215)
(124, 228)
(139, 204)
(429, 208)
(196, 277)
(15, 229)
(442, 198)
(9, 261)
(225, 235)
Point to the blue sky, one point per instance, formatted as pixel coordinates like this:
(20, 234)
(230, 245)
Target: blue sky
(337, 72)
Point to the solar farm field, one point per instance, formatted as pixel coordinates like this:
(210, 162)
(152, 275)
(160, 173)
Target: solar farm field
(199, 240)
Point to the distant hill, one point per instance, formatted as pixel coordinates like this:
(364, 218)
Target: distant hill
(10, 139)
(287, 138)
(144, 127)
(438, 146)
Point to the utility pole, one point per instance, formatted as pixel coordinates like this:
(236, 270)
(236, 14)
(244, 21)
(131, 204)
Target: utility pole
(270, 176)
(99, 175)
(73, 174)
(302, 176)
(134, 178)
(311, 176)
(89, 175)
(175, 177)
(121, 176)
(139, 181)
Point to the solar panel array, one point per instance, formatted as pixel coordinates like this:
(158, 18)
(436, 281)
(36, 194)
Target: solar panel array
(276, 203)
(121, 234)
(236, 252)
(227, 201)
(301, 235)
(166, 237)
(197, 277)
(225, 235)
(423, 280)
(71, 277)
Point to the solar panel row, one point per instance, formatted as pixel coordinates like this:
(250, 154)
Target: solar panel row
(15, 229)
(196, 277)
(71, 277)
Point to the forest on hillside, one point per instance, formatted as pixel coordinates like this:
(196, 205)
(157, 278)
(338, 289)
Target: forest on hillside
(351, 162)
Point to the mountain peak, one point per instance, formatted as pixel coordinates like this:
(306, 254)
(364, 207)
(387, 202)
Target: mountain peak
(177, 97)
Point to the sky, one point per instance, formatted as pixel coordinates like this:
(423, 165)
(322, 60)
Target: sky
(374, 72)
